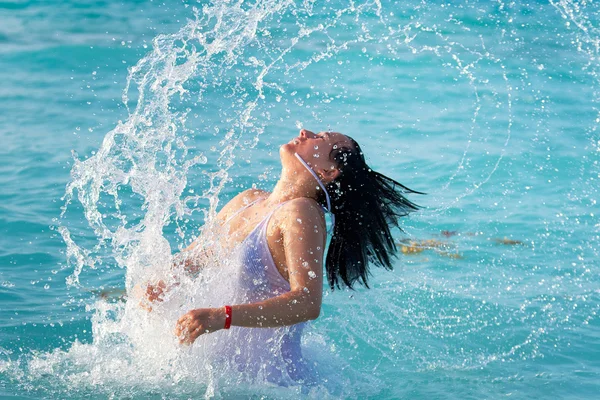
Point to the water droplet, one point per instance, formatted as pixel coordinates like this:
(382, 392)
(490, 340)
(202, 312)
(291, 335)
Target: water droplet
(299, 220)
(316, 147)
(315, 155)
(46, 286)
(305, 264)
(312, 274)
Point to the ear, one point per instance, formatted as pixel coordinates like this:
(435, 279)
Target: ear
(329, 175)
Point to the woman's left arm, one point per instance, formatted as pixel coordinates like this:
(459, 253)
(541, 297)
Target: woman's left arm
(303, 231)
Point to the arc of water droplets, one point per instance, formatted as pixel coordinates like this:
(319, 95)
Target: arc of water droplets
(465, 70)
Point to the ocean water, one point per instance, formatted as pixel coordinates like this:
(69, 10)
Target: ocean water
(125, 125)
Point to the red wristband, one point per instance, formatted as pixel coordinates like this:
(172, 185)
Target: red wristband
(227, 317)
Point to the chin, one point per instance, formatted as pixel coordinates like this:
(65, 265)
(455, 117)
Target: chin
(287, 148)
(286, 152)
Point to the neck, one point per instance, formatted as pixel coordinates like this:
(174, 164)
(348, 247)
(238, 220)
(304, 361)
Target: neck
(293, 185)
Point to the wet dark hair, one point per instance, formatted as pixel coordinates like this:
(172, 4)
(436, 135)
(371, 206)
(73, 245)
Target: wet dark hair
(366, 205)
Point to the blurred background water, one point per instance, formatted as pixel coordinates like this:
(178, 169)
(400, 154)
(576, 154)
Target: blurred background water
(489, 107)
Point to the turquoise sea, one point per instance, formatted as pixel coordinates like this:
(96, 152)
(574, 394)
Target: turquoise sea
(125, 124)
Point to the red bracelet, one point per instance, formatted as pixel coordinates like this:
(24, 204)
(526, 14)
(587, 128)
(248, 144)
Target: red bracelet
(227, 317)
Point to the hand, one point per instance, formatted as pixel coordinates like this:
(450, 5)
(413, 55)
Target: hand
(198, 322)
(156, 292)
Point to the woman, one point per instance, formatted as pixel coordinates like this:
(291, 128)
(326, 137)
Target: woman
(280, 240)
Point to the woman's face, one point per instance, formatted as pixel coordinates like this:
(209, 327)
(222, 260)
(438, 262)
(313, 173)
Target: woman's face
(316, 149)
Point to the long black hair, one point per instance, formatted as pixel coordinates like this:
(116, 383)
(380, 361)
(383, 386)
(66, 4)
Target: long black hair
(366, 205)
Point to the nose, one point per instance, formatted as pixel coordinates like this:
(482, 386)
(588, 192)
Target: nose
(305, 133)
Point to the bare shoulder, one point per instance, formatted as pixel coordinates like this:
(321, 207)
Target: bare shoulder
(250, 195)
(240, 200)
(302, 208)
